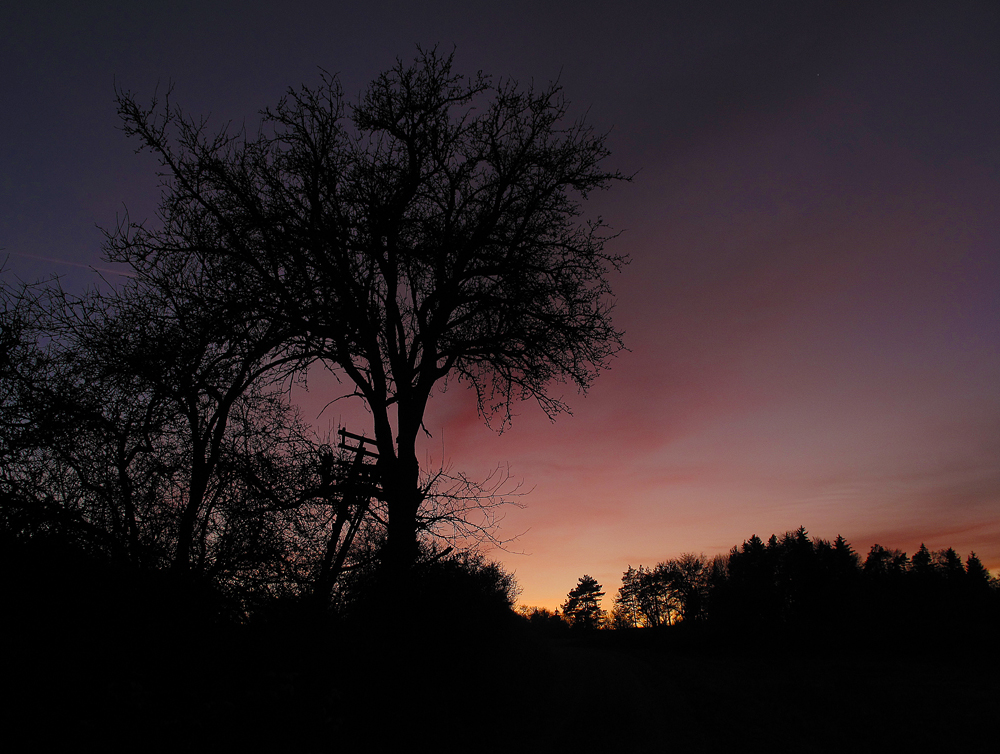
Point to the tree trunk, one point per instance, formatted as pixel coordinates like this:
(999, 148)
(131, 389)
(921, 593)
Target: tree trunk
(403, 499)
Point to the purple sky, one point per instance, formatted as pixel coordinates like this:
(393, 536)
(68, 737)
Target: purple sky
(813, 307)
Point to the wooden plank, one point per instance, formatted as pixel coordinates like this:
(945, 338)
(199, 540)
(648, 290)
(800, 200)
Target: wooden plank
(360, 438)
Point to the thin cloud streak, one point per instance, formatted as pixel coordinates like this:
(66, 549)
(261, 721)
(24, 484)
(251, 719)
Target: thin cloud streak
(118, 272)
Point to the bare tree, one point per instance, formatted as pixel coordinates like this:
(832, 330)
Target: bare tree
(147, 426)
(626, 612)
(431, 231)
(78, 440)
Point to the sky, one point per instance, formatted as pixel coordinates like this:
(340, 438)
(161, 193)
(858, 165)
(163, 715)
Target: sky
(813, 303)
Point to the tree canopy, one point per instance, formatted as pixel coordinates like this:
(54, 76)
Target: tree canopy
(431, 231)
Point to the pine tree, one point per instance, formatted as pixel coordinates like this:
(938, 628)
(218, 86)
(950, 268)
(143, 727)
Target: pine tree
(922, 562)
(848, 562)
(583, 604)
(976, 573)
(949, 563)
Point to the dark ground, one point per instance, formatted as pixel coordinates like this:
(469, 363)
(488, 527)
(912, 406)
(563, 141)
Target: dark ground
(314, 687)
(97, 662)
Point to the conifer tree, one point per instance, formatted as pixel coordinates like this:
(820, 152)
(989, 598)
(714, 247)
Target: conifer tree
(975, 572)
(583, 604)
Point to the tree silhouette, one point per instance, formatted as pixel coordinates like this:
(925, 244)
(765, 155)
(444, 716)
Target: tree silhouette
(143, 426)
(430, 231)
(977, 575)
(922, 563)
(949, 563)
(845, 561)
(626, 612)
(690, 578)
(676, 589)
(883, 563)
(659, 597)
(583, 604)
(792, 583)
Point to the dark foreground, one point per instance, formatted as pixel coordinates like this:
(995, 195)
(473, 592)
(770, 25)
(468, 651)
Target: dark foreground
(165, 682)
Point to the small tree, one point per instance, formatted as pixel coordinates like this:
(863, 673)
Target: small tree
(583, 604)
(541, 618)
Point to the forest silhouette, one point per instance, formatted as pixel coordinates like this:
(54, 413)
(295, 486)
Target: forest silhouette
(790, 638)
(188, 566)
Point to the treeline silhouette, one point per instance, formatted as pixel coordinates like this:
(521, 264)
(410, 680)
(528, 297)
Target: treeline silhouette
(786, 645)
(129, 655)
(793, 583)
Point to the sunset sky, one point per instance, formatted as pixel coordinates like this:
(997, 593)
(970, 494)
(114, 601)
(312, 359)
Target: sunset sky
(813, 303)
